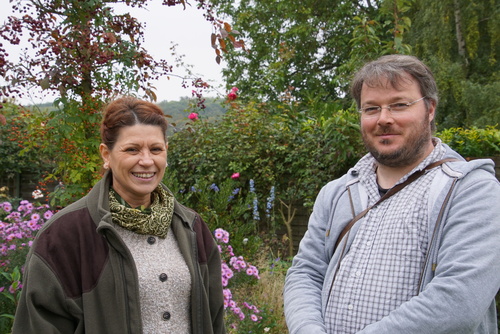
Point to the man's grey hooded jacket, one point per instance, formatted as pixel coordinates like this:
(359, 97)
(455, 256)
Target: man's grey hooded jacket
(460, 278)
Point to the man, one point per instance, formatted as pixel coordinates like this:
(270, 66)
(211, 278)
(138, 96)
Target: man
(424, 260)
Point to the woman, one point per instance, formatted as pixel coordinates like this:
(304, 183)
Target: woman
(126, 258)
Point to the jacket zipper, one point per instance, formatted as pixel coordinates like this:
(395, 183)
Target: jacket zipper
(127, 309)
(198, 279)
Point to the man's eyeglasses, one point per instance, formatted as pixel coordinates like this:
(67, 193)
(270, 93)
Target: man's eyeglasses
(395, 109)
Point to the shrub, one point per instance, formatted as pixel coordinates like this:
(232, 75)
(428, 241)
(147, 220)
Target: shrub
(236, 271)
(19, 222)
(294, 148)
(473, 142)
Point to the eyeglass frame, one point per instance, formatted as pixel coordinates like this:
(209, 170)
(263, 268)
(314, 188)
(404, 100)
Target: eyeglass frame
(363, 113)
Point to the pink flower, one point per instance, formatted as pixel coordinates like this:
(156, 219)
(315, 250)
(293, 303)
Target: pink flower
(32, 224)
(254, 317)
(232, 94)
(227, 293)
(228, 273)
(47, 214)
(193, 116)
(219, 233)
(235, 176)
(7, 207)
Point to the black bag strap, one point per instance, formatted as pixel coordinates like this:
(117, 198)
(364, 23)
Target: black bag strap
(388, 194)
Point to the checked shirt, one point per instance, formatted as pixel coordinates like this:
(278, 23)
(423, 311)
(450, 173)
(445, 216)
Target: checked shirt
(381, 269)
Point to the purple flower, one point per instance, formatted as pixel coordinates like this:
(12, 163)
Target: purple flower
(48, 214)
(7, 207)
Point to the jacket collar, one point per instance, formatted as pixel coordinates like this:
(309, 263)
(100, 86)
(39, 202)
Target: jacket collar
(98, 203)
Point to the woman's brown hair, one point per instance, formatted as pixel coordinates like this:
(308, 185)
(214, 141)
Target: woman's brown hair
(128, 111)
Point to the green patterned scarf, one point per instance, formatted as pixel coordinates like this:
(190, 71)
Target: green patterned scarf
(154, 221)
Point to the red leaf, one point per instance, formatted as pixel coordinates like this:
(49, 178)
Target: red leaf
(213, 38)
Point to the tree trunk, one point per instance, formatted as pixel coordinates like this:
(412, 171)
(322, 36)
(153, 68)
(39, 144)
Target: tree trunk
(458, 29)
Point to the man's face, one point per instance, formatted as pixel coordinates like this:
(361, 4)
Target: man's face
(402, 139)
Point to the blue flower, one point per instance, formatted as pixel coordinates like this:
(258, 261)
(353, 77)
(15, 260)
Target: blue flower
(252, 186)
(270, 202)
(256, 209)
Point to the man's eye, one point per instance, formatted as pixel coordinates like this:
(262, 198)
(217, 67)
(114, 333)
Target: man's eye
(371, 110)
(399, 106)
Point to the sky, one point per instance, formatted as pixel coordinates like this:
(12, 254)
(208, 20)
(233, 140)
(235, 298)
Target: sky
(164, 27)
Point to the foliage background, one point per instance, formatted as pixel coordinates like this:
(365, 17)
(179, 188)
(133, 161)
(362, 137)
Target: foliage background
(292, 127)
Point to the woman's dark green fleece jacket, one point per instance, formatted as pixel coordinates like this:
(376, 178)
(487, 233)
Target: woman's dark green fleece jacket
(81, 278)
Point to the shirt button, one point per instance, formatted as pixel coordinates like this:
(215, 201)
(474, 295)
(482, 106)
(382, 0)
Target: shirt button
(163, 277)
(358, 273)
(166, 315)
(151, 240)
(350, 307)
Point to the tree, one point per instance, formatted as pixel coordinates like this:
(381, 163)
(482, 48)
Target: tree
(311, 47)
(460, 40)
(87, 54)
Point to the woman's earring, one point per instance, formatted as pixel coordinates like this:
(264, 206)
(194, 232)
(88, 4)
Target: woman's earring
(106, 165)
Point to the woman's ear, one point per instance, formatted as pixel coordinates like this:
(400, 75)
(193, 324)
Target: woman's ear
(104, 150)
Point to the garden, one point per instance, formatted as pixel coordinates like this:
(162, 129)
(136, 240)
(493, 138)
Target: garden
(253, 171)
(246, 174)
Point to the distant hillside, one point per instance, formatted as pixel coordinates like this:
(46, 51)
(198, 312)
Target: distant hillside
(180, 110)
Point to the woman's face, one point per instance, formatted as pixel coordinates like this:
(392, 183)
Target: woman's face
(138, 161)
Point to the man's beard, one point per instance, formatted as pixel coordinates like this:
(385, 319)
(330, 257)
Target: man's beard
(409, 153)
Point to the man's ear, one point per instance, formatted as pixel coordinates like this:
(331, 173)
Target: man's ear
(432, 110)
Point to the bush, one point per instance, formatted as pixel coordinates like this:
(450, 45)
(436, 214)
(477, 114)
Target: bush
(19, 222)
(294, 148)
(473, 142)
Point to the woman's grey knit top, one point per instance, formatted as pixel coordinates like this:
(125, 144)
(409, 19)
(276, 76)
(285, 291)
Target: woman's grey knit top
(164, 282)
